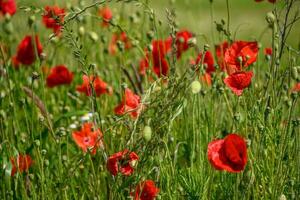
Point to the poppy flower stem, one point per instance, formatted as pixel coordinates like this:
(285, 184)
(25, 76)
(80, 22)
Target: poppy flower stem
(228, 105)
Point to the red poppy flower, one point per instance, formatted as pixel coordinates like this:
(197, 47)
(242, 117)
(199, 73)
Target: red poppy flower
(131, 103)
(87, 138)
(208, 61)
(182, 38)
(21, 164)
(123, 161)
(112, 48)
(238, 81)
(271, 1)
(145, 191)
(296, 88)
(99, 85)
(106, 15)
(59, 75)
(26, 54)
(8, 7)
(53, 18)
(240, 54)
(268, 51)
(220, 53)
(228, 154)
(159, 50)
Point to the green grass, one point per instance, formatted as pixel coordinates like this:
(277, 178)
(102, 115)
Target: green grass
(182, 123)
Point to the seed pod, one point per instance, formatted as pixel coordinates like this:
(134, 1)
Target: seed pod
(147, 133)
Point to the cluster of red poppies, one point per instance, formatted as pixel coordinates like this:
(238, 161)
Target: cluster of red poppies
(234, 58)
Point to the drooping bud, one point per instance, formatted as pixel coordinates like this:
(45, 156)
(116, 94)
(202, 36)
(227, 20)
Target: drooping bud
(270, 17)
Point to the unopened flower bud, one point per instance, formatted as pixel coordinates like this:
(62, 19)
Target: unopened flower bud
(196, 87)
(93, 36)
(81, 31)
(192, 41)
(295, 73)
(270, 17)
(206, 47)
(31, 20)
(282, 197)
(147, 133)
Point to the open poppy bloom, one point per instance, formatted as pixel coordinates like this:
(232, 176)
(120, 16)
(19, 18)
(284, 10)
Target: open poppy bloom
(220, 53)
(159, 50)
(131, 104)
(238, 81)
(59, 75)
(145, 190)
(100, 87)
(21, 164)
(239, 55)
(87, 138)
(123, 162)
(271, 1)
(296, 88)
(208, 61)
(53, 18)
(26, 53)
(182, 39)
(106, 15)
(229, 154)
(122, 37)
(8, 7)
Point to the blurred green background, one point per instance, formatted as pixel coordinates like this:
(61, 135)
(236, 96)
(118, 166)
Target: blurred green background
(247, 16)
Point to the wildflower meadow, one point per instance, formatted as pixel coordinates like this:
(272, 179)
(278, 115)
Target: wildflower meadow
(149, 99)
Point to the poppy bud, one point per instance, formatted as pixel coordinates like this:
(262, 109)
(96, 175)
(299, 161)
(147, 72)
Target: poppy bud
(37, 142)
(196, 87)
(206, 47)
(31, 20)
(270, 17)
(282, 197)
(93, 36)
(120, 45)
(150, 35)
(43, 151)
(147, 133)
(237, 117)
(46, 162)
(43, 56)
(81, 31)
(35, 75)
(295, 73)
(192, 41)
